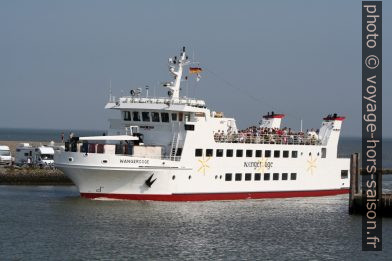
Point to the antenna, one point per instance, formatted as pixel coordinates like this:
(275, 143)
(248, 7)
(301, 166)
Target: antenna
(110, 90)
(176, 65)
(301, 125)
(147, 91)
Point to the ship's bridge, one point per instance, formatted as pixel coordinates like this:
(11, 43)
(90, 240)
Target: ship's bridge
(152, 112)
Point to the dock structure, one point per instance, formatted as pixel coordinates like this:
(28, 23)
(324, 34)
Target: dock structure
(356, 195)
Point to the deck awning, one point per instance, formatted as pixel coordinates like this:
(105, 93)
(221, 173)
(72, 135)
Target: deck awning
(114, 137)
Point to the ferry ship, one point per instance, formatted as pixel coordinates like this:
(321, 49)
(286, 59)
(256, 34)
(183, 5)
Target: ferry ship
(176, 149)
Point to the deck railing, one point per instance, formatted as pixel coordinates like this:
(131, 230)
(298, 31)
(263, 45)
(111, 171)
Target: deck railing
(267, 139)
(162, 100)
(116, 149)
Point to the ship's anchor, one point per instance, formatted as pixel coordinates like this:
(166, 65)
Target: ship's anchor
(149, 181)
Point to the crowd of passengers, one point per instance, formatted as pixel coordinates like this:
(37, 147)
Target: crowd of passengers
(256, 134)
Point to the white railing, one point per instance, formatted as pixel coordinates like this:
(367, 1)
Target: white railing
(79, 149)
(163, 100)
(267, 139)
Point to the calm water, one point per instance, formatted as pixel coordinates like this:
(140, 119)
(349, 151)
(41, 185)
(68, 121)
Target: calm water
(54, 223)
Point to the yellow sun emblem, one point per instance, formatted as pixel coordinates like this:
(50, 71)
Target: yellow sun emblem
(261, 164)
(204, 165)
(311, 165)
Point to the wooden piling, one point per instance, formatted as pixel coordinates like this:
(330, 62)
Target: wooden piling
(354, 171)
(355, 197)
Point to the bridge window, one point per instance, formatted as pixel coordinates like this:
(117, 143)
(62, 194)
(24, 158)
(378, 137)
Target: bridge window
(323, 152)
(209, 152)
(228, 177)
(257, 176)
(165, 117)
(229, 153)
(238, 176)
(146, 116)
(285, 154)
(248, 176)
(276, 153)
(198, 152)
(189, 127)
(293, 176)
(275, 176)
(258, 154)
(284, 176)
(174, 116)
(155, 116)
(266, 176)
(294, 154)
(127, 115)
(239, 153)
(267, 154)
(136, 116)
(219, 153)
(249, 153)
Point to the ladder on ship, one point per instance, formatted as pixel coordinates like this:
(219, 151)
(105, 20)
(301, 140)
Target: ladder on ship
(174, 143)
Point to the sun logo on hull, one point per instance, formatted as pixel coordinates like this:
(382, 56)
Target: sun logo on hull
(312, 165)
(204, 166)
(261, 164)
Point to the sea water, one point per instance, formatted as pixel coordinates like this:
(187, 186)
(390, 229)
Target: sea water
(54, 223)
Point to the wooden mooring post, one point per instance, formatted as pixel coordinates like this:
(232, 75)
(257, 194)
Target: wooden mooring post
(355, 197)
(354, 179)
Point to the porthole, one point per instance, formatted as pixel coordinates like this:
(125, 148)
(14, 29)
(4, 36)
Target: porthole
(220, 177)
(174, 177)
(70, 159)
(318, 153)
(189, 177)
(310, 153)
(104, 161)
(216, 176)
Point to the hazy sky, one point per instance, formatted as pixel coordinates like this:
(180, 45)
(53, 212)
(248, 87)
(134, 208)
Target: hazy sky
(300, 58)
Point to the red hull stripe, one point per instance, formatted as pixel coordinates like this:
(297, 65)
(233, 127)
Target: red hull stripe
(218, 196)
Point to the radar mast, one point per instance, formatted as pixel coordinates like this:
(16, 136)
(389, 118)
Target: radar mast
(176, 65)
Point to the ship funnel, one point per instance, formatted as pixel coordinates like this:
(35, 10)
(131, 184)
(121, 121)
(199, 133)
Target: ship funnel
(271, 120)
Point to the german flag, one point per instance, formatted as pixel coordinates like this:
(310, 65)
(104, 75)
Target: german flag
(195, 70)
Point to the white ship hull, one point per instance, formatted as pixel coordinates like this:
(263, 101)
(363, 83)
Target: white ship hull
(175, 183)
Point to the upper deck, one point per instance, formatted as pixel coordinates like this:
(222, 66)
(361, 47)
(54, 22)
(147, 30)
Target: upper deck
(293, 139)
(129, 102)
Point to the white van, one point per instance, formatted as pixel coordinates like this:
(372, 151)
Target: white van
(44, 156)
(5, 155)
(30, 155)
